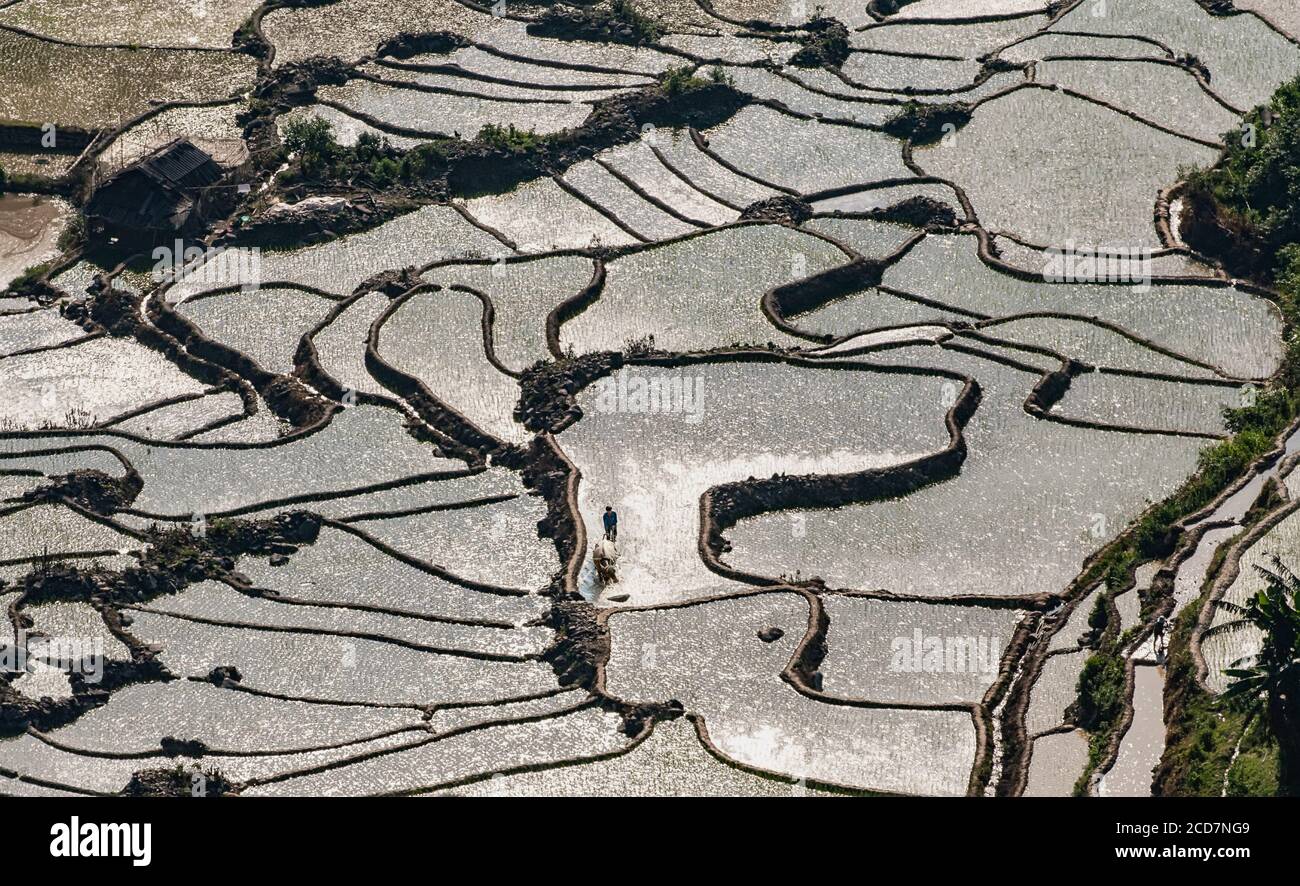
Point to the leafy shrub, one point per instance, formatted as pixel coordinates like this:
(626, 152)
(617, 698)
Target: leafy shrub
(74, 234)
(422, 161)
(1101, 692)
(28, 277)
(1269, 414)
(313, 140)
(1099, 617)
(509, 138)
(369, 146)
(1259, 177)
(384, 170)
(676, 81)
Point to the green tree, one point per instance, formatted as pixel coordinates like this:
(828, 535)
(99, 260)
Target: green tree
(1269, 681)
(313, 140)
(1253, 192)
(369, 146)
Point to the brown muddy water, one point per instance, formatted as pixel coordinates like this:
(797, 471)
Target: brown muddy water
(29, 232)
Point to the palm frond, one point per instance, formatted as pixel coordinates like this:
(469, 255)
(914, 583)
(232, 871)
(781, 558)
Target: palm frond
(1284, 573)
(1243, 688)
(1228, 627)
(1272, 612)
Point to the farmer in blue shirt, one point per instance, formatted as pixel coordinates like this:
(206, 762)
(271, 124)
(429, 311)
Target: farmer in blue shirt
(611, 523)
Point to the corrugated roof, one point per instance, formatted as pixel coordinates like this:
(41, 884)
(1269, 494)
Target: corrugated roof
(156, 193)
(181, 164)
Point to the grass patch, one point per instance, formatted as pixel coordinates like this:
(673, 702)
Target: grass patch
(646, 29)
(679, 80)
(1255, 772)
(1100, 704)
(1155, 534)
(28, 279)
(510, 138)
(1205, 734)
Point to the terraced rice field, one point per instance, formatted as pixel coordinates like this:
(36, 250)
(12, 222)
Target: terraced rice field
(334, 532)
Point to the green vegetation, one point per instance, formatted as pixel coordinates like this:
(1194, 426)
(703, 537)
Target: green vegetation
(26, 182)
(644, 28)
(825, 43)
(181, 780)
(1201, 760)
(1269, 414)
(509, 138)
(498, 156)
(422, 162)
(622, 22)
(1254, 773)
(373, 159)
(1099, 617)
(1255, 428)
(312, 139)
(74, 234)
(1255, 188)
(372, 153)
(1206, 734)
(676, 81)
(1101, 692)
(29, 278)
(1217, 466)
(1245, 211)
(1269, 683)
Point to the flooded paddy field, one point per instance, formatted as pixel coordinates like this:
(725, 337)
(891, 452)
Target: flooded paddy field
(113, 84)
(30, 227)
(135, 22)
(443, 113)
(970, 534)
(831, 317)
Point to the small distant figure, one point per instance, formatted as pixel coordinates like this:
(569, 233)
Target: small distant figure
(1159, 639)
(611, 523)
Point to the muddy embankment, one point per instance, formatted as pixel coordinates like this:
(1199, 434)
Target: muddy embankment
(448, 167)
(172, 560)
(548, 404)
